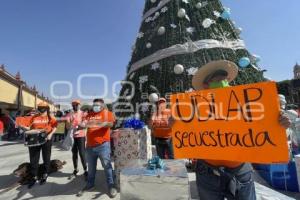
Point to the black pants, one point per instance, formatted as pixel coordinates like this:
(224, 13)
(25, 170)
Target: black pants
(164, 147)
(79, 147)
(34, 154)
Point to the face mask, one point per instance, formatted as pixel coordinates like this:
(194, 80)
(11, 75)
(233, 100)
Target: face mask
(75, 108)
(42, 110)
(97, 109)
(219, 84)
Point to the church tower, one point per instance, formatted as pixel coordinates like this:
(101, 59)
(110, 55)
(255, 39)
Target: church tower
(297, 71)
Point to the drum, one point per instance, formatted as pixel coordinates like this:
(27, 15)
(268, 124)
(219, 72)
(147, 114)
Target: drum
(35, 138)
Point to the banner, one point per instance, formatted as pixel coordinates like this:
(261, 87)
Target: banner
(238, 123)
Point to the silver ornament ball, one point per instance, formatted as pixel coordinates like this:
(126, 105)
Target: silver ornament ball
(199, 5)
(148, 45)
(181, 13)
(153, 98)
(178, 69)
(161, 30)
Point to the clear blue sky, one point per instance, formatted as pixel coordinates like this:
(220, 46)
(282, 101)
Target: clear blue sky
(48, 40)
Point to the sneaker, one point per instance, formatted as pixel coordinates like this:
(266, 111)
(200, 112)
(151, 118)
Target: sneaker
(75, 172)
(113, 192)
(31, 183)
(85, 189)
(44, 179)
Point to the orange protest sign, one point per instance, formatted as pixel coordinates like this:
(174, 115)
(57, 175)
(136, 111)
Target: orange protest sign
(238, 123)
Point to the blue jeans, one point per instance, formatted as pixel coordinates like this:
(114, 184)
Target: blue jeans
(103, 152)
(164, 147)
(210, 188)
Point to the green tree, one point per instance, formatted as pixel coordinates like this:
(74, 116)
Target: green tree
(284, 87)
(183, 33)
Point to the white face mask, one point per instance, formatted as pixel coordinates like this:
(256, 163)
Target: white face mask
(98, 108)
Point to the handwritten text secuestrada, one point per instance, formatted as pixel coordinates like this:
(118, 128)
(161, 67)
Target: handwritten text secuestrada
(223, 140)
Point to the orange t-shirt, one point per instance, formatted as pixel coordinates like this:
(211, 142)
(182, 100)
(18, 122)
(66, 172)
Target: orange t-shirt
(24, 121)
(42, 122)
(222, 163)
(75, 119)
(97, 136)
(160, 124)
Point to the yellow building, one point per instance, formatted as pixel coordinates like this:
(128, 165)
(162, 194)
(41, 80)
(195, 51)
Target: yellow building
(15, 95)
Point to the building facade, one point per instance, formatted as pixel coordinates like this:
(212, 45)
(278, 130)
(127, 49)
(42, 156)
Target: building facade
(17, 96)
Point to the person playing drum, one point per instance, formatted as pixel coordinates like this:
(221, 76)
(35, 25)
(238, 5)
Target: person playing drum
(42, 122)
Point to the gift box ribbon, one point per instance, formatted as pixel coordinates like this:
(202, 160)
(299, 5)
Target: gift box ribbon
(156, 163)
(134, 123)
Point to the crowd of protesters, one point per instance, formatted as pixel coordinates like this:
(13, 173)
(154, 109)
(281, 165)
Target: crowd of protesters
(91, 130)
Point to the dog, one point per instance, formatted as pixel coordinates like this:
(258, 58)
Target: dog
(23, 171)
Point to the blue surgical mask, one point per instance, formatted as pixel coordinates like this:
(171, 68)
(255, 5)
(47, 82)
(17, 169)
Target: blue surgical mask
(97, 108)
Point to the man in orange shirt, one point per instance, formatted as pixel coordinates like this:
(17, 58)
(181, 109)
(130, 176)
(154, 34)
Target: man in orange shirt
(217, 179)
(98, 124)
(162, 131)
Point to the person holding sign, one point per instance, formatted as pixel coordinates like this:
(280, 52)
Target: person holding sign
(98, 124)
(162, 130)
(45, 122)
(217, 179)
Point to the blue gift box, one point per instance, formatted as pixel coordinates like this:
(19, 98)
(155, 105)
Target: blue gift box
(280, 176)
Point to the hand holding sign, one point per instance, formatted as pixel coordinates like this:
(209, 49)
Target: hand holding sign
(284, 120)
(235, 124)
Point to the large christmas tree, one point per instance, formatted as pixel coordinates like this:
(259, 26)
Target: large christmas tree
(176, 38)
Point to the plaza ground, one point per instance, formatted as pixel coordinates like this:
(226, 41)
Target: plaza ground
(59, 187)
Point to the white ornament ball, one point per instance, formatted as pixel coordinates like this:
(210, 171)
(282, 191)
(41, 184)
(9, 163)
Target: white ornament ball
(178, 69)
(153, 1)
(181, 13)
(148, 45)
(161, 30)
(153, 98)
(199, 5)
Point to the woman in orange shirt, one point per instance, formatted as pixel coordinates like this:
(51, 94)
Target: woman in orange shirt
(42, 121)
(162, 130)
